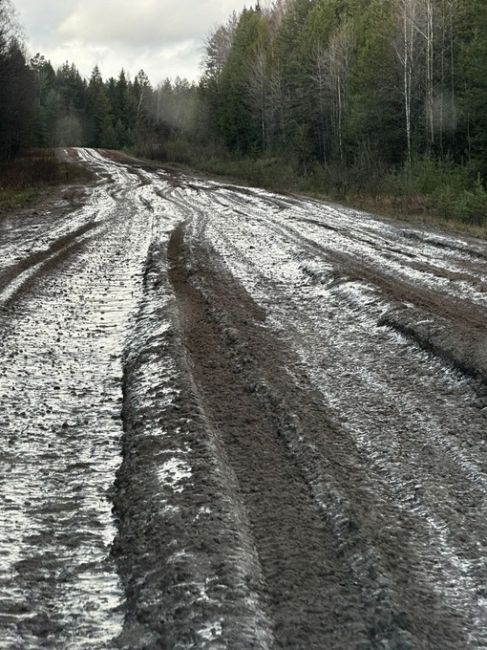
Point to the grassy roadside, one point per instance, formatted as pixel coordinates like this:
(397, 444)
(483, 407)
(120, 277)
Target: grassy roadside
(459, 211)
(35, 175)
(388, 208)
(428, 194)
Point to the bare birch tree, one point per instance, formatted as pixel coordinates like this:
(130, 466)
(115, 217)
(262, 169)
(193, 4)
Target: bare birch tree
(429, 36)
(405, 46)
(331, 78)
(218, 46)
(257, 91)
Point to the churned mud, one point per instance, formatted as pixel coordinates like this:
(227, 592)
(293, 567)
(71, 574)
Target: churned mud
(232, 419)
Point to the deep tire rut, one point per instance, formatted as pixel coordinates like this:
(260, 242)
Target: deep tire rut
(303, 589)
(328, 579)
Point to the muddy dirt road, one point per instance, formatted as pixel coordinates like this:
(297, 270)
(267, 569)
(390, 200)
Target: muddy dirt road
(233, 419)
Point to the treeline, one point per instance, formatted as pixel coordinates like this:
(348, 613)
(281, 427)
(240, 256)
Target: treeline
(44, 107)
(347, 80)
(362, 95)
(16, 98)
(114, 114)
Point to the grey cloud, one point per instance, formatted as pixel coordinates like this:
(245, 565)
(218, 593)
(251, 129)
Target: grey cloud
(165, 37)
(141, 23)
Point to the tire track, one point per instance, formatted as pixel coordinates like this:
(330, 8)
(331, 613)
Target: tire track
(429, 466)
(63, 322)
(341, 585)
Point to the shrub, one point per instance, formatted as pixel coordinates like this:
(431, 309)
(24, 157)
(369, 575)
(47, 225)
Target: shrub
(471, 205)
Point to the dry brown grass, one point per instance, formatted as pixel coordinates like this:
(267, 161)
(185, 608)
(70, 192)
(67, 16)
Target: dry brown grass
(35, 173)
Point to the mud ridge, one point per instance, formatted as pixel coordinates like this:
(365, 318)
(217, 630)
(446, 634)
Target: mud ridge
(394, 288)
(190, 572)
(468, 248)
(464, 349)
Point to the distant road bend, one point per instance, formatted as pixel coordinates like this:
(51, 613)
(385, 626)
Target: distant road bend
(232, 419)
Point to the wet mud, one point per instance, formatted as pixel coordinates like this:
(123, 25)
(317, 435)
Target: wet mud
(462, 345)
(232, 419)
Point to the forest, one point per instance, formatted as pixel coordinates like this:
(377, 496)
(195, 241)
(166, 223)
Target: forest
(44, 107)
(383, 98)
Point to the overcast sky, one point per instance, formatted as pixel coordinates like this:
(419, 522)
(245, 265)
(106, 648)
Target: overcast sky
(164, 37)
